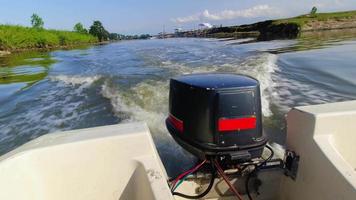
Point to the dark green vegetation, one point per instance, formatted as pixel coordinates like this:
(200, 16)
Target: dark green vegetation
(313, 11)
(281, 28)
(98, 30)
(79, 28)
(136, 37)
(19, 38)
(14, 38)
(36, 21)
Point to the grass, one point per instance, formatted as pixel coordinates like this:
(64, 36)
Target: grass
(14, 37)
(304, 19)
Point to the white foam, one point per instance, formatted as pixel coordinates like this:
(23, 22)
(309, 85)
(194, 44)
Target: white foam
(148, 101)
(75, 80)
(56, 111)
(262, 67)
(41, 117)
(293, 92)
(236, 41)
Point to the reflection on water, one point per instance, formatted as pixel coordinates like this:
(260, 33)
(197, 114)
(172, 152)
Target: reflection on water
(21, 70)
(318, 39)
(29, 58)
(128, 81)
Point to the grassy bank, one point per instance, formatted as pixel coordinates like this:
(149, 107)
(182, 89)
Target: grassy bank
(304, 20)
(296, 26)
(282, 28)
(16, 38)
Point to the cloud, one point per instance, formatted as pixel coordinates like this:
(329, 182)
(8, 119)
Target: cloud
(186, 19)
(253, 12)
(329, 4)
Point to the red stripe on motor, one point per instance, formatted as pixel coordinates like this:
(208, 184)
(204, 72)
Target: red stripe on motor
(237, 123)
(178, 124)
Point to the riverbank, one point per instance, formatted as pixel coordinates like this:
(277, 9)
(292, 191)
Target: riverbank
(289, 28)
(15, 38)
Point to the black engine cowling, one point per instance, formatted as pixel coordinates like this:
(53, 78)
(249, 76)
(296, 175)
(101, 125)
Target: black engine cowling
(216, 114)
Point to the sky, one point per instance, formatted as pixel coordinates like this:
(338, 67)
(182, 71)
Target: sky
(152, 16)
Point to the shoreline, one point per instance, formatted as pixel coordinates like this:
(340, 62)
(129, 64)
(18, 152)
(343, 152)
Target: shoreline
(328, 29)
(50, 48)
(289, 28)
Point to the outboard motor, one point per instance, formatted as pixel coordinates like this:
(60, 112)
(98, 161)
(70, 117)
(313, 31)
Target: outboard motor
(217, 114)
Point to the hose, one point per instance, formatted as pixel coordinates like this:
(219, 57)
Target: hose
(211, 183)
(221, 172)
(255, 170)
(187, 173)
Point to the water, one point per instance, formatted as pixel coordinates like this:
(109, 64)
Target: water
(45, 92)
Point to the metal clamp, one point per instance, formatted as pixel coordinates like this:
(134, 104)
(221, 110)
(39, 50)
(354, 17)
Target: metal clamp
(291, 163)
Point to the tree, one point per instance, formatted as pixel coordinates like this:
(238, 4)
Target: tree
(114, 36)
(79, 28)
(36, 21)
(144, 36)
(313, 11)
(98, 30)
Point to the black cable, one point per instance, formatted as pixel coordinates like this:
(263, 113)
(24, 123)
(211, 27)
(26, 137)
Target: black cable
(226, 179)
(211, 183)
(255, 170)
